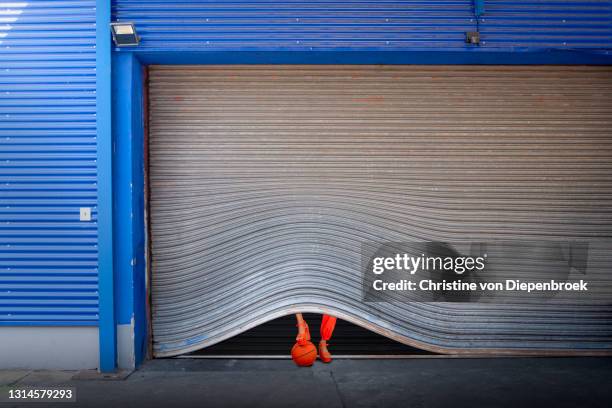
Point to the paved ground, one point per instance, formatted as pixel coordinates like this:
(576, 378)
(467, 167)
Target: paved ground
(504, 382)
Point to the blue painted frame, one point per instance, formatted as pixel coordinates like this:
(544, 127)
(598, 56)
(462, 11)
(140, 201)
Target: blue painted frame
(472, 56)
(128, 138)
(128, 135)
(106, 325)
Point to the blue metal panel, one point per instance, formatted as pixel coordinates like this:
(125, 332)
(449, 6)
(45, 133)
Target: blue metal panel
(128, 170)
(298, 24)
(108, 324)
(559, 57)
(48, 258)
(366, 25)
(531, 24)
(123, 201)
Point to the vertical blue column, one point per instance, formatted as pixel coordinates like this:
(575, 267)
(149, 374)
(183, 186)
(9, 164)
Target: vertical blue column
(129, 217)
(107, 326)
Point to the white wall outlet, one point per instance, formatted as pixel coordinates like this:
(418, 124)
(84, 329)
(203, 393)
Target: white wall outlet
(85, 214)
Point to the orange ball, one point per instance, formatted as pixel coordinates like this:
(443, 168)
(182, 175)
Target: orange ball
(304, 354)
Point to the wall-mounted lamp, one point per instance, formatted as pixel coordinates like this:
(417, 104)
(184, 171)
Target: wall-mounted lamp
(124, 34)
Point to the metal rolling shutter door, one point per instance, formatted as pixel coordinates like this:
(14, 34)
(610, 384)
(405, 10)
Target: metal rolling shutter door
(266, 179)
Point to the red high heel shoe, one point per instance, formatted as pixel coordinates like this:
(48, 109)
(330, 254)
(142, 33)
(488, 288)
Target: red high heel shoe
(303, 338)
(324, 353)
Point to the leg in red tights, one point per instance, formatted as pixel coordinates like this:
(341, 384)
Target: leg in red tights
(327, 329)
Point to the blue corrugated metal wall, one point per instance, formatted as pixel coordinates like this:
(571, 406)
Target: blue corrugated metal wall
(48, 258)
(547, 24)
(397, 25)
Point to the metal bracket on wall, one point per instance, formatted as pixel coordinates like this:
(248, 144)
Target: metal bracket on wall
(473, 37)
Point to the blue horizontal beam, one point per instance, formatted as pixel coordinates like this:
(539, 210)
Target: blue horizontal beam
(552, 57)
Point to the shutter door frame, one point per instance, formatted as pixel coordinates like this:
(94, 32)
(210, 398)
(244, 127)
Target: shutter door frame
(542, 132)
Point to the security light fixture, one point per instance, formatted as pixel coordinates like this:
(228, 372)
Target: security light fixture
(124, 34)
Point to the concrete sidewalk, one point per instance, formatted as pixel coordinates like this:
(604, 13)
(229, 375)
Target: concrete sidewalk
(432, 382)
